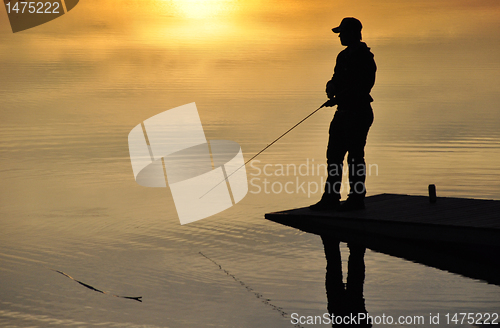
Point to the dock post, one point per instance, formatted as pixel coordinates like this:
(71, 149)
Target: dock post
(432, 193)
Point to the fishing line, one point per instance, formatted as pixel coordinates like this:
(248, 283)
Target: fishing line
(327, 103)
(266, 301)
(139, 298)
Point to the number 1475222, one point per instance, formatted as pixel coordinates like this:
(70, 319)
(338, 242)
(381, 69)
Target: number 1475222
(25, 7)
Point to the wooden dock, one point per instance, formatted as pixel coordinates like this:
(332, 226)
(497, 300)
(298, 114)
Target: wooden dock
(452, 221)
(454, 234)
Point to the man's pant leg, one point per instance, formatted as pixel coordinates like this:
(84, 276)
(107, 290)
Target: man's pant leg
(359, 125)
(335, 153)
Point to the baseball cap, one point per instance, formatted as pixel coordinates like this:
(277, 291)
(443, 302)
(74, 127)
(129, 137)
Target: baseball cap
(348, 24)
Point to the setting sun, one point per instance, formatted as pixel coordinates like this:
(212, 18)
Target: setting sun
(201, 9)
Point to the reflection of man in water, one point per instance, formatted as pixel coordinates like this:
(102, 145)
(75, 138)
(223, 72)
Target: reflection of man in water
(345, 301)
(349, 88)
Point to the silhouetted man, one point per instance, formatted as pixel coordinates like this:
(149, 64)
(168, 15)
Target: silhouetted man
(349, 89)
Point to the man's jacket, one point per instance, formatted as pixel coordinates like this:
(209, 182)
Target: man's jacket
(353, 77)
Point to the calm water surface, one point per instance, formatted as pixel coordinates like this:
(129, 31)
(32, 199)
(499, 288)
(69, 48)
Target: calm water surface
(72, 89)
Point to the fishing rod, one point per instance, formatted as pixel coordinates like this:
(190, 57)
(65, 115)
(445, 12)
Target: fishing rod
(329, 103)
